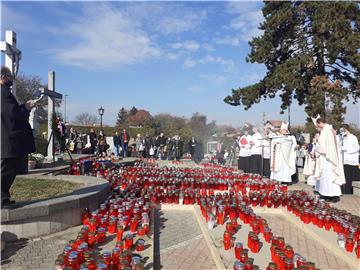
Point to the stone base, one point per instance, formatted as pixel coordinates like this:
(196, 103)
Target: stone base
(356, 187)
(35, 219)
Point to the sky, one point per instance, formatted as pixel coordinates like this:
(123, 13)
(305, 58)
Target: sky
(164, 57)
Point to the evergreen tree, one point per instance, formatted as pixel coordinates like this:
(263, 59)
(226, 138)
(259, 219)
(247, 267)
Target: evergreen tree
(310, 50)
(122, 117)
(133, 111)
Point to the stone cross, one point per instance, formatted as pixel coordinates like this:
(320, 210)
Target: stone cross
(52, 95)
(12, 55)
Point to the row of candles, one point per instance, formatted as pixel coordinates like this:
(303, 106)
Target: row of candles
(124, 214)
(189, 186)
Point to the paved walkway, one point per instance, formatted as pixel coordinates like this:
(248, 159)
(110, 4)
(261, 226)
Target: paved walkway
(39, 253)
(304, 244)
(179, 243)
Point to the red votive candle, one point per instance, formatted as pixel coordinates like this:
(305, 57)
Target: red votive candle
(238, 249)
(140, 245)
(128, 241)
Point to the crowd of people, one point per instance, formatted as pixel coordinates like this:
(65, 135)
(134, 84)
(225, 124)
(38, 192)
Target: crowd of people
(330, 162)
(123, 145)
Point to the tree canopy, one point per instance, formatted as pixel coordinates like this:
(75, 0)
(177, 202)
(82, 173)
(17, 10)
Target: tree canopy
(311, 53)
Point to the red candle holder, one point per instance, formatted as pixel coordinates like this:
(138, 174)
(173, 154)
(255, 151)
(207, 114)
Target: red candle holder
(349, 244)
(128, 241)
(238, 249)
(140, 245)
(101, 235)
(357, 250)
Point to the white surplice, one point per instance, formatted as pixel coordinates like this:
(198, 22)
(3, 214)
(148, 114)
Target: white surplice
(329, 171)
(283, 158)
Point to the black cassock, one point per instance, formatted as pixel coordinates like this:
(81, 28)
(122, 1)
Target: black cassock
(192, 145)
(199, 152)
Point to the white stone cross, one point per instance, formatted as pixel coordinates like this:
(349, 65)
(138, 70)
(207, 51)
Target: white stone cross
(52, 95)
(12, 55)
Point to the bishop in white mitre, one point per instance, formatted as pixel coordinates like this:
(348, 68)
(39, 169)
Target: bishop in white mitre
(283, 156)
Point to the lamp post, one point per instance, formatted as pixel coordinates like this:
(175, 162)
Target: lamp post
(65, 108)
(101, 113)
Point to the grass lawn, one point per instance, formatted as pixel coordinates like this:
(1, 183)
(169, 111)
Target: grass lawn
(25, 189)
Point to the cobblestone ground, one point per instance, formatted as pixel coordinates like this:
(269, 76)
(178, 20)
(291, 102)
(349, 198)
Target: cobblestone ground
(305, 245)
(38, 253)
(179, 243)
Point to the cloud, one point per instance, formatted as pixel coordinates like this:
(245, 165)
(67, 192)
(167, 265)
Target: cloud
(172, 56)
(245, 23)
(11, 19)
(228, 64)
(182, 19)
(228, 40)
(208, 47)
(189, 63)
(105, 41)
(187, 45)
(214, 77)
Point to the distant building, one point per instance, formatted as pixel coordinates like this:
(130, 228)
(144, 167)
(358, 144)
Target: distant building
(273, 124)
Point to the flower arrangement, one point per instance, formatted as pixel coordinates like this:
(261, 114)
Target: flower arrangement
(36, 157)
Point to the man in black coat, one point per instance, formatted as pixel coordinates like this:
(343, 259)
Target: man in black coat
(17, 139)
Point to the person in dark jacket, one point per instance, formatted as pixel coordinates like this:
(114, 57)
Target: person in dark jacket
(160, 145)
(117, 144)
(93, 140)
(17, 140)
(191, 146)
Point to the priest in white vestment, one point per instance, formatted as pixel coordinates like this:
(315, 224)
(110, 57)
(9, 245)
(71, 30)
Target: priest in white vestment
(283, 156)
(329, 172)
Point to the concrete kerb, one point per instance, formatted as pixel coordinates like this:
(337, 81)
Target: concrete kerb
(356, 187)
(45, 217)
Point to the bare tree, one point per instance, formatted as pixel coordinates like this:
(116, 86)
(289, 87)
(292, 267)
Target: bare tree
(26, 87)
(86, 119)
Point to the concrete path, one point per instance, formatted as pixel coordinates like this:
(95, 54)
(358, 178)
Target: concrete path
(179, 243)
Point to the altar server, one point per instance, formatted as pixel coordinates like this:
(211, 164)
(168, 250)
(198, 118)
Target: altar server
(350, 152)
(245, 152)
(256, 151)
(310, 161)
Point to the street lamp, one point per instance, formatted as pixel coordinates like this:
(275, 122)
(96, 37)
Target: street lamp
(65, 108)
(101, 113)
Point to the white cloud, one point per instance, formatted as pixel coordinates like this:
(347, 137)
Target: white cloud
(208, 47)
(228, 40)
(228, 64)
(248, 16)
(11, 19)
(214, 77)
(172, 56)
(105, 41)
(189, 63)
(187, 45)
(182, 19)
